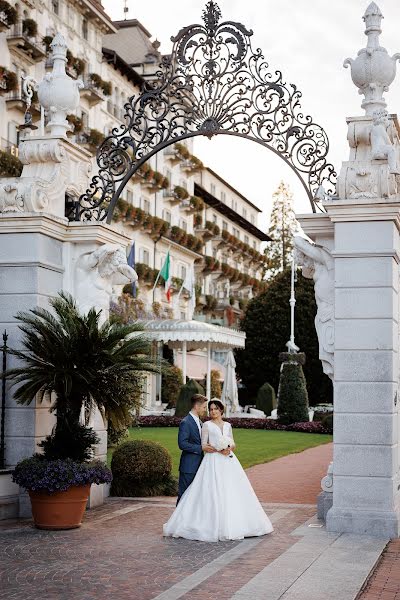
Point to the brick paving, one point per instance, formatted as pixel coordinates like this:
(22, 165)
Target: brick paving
(384, 582)
(121, 554)
(119, 551)
(295, 478)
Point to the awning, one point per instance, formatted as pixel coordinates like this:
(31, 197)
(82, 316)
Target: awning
(196, 334)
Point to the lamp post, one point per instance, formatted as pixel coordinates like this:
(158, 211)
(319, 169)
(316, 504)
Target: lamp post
(291, 346)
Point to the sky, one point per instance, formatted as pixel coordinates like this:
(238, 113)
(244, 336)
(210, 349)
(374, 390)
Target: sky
(307, 40)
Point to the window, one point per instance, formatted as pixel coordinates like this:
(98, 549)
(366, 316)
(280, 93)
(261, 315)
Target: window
(129, 196)
(234, 204)
(182, 273)
(214, 218)
(184, 183)
(183, 316)
(55, 5)
(166, 214)
(144, 256)
(244, 213)
(85, 29)
(223, 197)
(13, 137)
(236, 233)
(145, 204)
(255, 245)
(252, 219)
(212, 189)
(168, 174)
(246, 239)
(184, 224)
(224, 225)
(85, 119)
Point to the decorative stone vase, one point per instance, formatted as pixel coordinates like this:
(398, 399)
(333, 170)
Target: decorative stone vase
(58, 93)
(60, 510)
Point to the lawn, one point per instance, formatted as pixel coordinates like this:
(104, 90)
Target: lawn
(253, 446)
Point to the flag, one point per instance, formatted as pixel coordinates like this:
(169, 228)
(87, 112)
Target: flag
(166, 275)
(131, 263)
(189, 285)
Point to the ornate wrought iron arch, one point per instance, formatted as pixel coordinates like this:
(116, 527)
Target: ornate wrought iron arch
(212, 83)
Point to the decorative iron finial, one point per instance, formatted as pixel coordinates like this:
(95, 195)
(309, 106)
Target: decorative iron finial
(211, 16)
(373, 70)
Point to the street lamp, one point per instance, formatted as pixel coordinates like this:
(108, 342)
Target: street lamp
(291, 346)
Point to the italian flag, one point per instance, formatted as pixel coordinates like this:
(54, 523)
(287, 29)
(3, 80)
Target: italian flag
(165, 274)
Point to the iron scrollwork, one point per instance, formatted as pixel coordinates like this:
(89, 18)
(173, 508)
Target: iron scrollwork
(212, 83)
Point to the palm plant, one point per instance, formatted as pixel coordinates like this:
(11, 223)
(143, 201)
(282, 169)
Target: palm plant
(81, 364)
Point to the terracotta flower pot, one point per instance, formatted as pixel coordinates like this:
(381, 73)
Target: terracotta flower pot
(61, 510)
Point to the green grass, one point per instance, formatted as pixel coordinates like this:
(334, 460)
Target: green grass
(254, 446)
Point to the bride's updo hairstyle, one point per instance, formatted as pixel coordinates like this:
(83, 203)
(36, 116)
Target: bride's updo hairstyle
(217, 403)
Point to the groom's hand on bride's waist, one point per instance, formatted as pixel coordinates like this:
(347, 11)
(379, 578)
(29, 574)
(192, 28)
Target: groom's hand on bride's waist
(208, 448)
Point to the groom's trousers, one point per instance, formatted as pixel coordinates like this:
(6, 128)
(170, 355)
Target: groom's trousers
(185, 479)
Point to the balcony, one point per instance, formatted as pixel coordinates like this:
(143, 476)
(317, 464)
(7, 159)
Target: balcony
(172, 154)
(8, 16)
(90, 139)
(26, 47)
(91, 93)
(17, 100)
(172, 197)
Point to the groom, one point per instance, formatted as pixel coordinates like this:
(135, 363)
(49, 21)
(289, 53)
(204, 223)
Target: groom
(189, 441)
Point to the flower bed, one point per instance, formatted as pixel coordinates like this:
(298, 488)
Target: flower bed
(270, 424)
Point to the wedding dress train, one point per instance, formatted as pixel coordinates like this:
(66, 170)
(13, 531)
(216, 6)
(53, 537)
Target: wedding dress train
(220, 504)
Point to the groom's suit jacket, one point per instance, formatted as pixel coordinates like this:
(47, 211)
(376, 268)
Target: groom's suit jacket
(189, 442)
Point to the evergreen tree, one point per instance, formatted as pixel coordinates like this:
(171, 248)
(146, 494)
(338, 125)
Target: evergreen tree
(267, 326)
(283, 226)
(183, 404)
(292, 394)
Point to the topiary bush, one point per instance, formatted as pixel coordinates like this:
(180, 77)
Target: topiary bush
(172, 382)
(266, 399)
(142, 468)
(292, 394)
(183, 405)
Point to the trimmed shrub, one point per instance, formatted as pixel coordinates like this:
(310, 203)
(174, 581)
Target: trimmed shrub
(183, 405)
(172, 382)
(266, 399)
(292, 394)
(142, 468)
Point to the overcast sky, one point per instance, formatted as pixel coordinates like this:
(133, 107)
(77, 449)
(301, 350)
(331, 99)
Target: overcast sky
(308, 41)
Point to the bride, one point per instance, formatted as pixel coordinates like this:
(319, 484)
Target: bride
(220, 504)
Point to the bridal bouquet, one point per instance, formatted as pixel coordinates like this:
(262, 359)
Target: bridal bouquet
(224, 443)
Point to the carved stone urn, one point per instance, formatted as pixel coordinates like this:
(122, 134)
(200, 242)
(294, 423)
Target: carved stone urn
(373, 70)
(58, 93)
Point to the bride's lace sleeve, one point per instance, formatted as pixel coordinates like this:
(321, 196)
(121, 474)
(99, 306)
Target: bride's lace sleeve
(230, 434)
(204, 434)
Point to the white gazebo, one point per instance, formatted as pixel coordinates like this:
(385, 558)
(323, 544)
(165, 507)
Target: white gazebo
(195, 335)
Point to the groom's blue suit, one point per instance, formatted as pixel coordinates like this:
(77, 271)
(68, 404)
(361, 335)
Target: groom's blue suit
(189, 442)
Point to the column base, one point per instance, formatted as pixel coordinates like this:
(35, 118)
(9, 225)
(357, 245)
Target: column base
(382, 524)
(324, 504)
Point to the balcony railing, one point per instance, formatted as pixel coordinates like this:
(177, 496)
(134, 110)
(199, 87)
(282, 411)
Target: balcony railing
(92, 93)
(19, 41)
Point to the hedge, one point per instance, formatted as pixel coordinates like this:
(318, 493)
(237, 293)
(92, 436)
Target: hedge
(238, 423)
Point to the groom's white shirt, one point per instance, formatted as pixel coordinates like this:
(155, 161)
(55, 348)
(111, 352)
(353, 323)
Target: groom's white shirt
(196, 418)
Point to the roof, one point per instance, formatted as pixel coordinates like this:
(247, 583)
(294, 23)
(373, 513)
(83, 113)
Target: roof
(132, 42)
(96, 8)
(196, 333)
(228, 185)
(231, 214)
(113, 58)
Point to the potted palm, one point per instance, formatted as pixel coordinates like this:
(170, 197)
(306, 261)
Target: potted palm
(84, 366)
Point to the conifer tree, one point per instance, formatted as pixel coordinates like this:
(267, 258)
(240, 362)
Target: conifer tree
(283, 226)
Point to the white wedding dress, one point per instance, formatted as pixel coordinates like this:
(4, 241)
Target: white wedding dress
(220, 504)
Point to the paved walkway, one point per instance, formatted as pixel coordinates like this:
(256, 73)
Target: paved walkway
(295, 478)
(119, 553)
